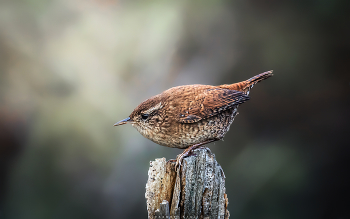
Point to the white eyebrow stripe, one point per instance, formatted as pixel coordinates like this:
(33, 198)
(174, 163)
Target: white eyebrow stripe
(156, 107)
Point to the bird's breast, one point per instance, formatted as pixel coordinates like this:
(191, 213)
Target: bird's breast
(182, 135)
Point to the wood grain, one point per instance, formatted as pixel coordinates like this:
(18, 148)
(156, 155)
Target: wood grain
(198, 188)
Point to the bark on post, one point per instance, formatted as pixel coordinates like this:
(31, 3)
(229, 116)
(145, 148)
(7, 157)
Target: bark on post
(196, 190)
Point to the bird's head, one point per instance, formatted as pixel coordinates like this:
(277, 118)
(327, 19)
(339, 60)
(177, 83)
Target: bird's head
(145, 117)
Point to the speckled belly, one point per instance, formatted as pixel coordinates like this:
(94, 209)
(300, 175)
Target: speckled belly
(194, 133)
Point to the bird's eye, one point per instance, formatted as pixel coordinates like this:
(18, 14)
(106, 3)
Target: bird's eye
(144, 116)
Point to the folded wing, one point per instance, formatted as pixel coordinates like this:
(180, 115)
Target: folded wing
(210, 103)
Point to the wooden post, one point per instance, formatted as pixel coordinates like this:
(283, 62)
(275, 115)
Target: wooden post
(196, 190)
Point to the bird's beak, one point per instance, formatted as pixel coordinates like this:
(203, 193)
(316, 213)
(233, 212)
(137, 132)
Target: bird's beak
(124, 121)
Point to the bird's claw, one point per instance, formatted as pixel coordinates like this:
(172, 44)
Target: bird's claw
(186, 153)
(180, 158)
(178, 162)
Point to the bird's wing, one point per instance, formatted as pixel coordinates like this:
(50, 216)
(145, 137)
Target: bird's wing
(210, 103)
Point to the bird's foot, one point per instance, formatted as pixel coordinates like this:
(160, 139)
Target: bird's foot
(189, 150)
(180, 158)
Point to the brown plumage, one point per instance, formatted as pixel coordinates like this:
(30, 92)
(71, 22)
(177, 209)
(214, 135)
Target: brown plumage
(191, 115)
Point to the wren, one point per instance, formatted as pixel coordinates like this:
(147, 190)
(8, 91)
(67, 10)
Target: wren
(191, 116)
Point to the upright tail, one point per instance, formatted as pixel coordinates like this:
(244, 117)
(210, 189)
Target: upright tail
(246, 85)
(259, 77)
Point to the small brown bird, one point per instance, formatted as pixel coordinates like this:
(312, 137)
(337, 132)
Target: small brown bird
(191, 116)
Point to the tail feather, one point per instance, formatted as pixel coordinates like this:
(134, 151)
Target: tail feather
(259, 77)
(246, 85)
(254, 80)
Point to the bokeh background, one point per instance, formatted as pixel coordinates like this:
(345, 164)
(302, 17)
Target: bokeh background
(70, 69)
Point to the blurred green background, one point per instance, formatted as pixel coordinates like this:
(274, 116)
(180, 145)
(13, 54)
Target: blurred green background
(70, 69)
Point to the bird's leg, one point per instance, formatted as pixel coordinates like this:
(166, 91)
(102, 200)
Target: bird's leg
(188, 150)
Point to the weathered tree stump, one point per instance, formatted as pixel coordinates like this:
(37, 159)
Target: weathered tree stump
(196, 190)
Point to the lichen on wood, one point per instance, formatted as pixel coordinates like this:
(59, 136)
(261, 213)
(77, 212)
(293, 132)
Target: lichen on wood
(196, 190)
(160, 184)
